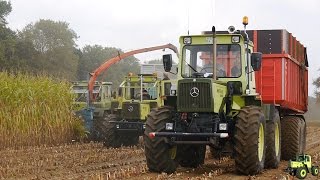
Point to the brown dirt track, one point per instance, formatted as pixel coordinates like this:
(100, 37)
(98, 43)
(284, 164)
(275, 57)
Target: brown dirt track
(93, 161)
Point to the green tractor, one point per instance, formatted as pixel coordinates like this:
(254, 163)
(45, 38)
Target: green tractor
(138, 94)
(301, 165)
(216, 103)
(102, 105)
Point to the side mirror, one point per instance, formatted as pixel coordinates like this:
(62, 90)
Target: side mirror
(256, 59)
(167, 62)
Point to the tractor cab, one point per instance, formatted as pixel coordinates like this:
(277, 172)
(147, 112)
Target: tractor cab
(140, 93)
(101, 93)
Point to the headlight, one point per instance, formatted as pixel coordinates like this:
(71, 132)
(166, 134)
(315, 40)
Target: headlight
(235, 39)
(187, 40)
(117, 126)
(169, 126)
(173, 92)
(223, 126)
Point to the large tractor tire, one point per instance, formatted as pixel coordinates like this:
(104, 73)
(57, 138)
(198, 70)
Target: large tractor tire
(95, 134)
(250, 140)
(293, 138)
(161, 157)
(191, 155)
(273, 141)
(110, 136)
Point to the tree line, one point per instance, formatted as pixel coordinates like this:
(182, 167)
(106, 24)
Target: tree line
(49, 47)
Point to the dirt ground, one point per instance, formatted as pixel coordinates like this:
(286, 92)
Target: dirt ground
(93, 161)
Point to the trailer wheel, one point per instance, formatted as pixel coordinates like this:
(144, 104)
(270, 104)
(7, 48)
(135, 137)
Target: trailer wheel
(273, 137)
(293, 136)
(161, 157)
(191, 155)
(314, 170)
(301, 173)
(250, 140)
(110, 137)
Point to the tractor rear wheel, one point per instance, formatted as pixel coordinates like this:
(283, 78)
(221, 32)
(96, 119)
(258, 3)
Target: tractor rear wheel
(250, 140)
(301, 173)
(109, 133)
(314, 170)
(273, 137)
(161, 157)
(191, 155)
(293, 134)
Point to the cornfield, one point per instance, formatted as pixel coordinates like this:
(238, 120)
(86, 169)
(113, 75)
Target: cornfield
(35, 110)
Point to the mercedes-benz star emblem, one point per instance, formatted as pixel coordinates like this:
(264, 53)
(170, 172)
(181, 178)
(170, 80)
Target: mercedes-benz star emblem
(130, 108)
(194, 92)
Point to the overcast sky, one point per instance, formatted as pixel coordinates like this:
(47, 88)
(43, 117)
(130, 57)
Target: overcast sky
(132, 24)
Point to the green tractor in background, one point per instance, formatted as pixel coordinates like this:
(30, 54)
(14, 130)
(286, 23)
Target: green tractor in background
(102, 105)
(138, 94)
(216, 104)
(301, 165)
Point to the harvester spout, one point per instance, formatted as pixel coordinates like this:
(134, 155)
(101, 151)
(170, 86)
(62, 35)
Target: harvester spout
(118, 58)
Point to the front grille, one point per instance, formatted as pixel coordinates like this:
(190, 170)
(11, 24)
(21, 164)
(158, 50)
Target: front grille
(188, 103)
(131, 110)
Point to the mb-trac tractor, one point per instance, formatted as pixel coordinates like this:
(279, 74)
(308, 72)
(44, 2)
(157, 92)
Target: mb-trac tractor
(101, 107)
(301, 165)
(139, 94)
(128, 111)
(218, 103)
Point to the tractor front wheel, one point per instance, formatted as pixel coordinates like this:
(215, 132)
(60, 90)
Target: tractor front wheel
(301, 173)
(161, 157)
(250, 140)
(109, 133)
(314, 170)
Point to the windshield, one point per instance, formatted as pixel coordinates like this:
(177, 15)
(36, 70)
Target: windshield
(82, 91)
(133, 91)
(199, 58)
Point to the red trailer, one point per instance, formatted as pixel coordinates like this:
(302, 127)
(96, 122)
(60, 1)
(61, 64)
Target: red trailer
(283, 77)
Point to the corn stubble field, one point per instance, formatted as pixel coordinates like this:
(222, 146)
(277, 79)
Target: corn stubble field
(37, 129)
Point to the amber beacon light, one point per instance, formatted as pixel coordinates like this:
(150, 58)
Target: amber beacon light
(245, 20)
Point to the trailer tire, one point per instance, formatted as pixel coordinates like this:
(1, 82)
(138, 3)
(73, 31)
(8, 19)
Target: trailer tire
(161, 157)
(191, 155)
(293, 136)
(250, 140)
(273, 137)
(110, 137)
